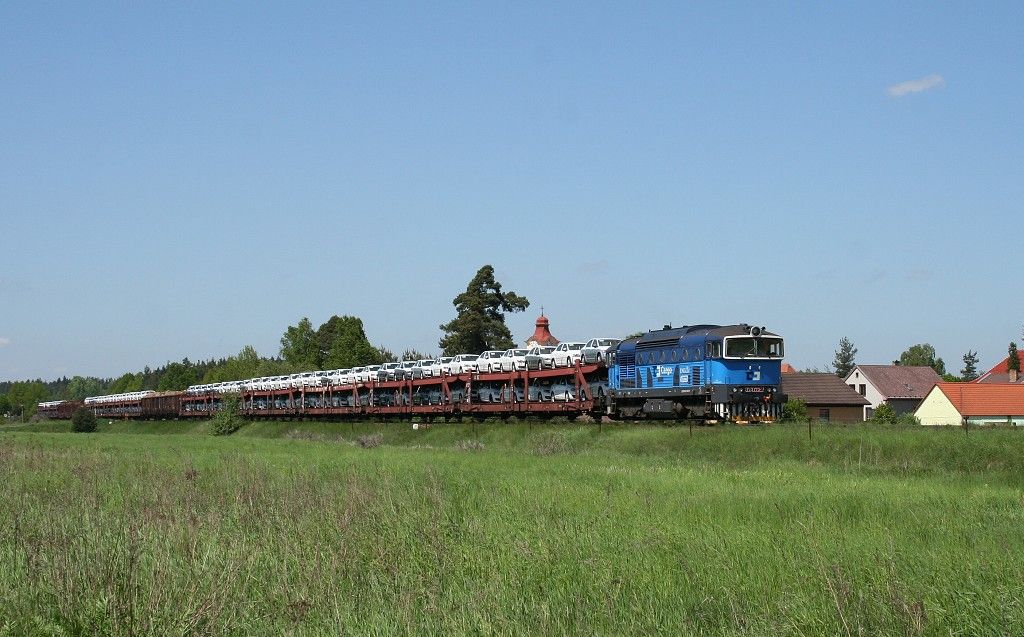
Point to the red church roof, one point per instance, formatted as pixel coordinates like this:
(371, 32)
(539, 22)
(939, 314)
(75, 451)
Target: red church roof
(542, 335)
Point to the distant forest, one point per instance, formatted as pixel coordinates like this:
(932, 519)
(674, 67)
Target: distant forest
(339, 342)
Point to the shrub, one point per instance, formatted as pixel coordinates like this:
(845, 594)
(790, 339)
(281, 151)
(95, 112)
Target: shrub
(228, 418)
(884, 414)
(83, 420)
(795, 410)
(908, 419)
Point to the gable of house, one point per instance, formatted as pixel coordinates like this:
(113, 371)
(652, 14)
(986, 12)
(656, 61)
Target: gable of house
(937, 409)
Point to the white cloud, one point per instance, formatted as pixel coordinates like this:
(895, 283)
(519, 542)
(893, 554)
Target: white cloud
(917, 86)
(4, 342)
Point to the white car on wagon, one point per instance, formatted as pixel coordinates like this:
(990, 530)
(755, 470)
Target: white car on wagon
(513, 360)
(540, 357)
(568, 353)
(464, 364)
(489, 361)
(596, 349)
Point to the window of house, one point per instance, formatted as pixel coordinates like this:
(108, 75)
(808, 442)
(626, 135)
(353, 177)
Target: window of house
(823, 414)
(863, 390)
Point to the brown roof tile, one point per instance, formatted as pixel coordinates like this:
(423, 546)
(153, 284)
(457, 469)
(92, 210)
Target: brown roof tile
(901, 381)
(821, 389)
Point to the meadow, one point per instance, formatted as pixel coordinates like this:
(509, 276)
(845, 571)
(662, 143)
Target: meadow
(510, 529)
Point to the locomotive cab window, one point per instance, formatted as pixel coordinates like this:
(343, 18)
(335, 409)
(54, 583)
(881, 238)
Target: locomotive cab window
(753, 347)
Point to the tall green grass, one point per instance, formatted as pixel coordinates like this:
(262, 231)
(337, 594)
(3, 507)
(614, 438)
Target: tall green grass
(992, 453)
(293, 528)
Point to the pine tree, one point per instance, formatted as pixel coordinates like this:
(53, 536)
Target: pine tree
(845, 358)
(970, 370)
(1013, 362)
(480, 324)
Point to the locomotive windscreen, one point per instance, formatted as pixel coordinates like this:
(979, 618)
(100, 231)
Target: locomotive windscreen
(750, 347)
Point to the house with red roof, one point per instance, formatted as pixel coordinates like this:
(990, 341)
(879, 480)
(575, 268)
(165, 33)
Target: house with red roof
(972, 404)
(902, 386)
(1001, 373)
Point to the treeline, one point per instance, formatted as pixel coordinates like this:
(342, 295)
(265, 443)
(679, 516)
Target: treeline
(338, 343)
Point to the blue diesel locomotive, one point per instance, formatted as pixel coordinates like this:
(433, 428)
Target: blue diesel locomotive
(709, 372)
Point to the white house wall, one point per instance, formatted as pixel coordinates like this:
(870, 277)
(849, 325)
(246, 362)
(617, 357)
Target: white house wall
(855, 379)
(936, 409)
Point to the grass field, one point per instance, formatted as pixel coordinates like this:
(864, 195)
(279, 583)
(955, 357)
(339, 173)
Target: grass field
(294, 528)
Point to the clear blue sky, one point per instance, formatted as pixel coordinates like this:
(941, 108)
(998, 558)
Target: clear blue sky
(185, 179)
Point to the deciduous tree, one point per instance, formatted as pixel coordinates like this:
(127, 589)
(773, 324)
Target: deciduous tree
(245, 364)
(344, 344)
(125, 383)
(80, 387)
(923, 354)
(300, 346)
(480, 323)
(178, 376)
(25, 397)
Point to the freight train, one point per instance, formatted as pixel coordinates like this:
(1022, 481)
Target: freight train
(711, 373)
